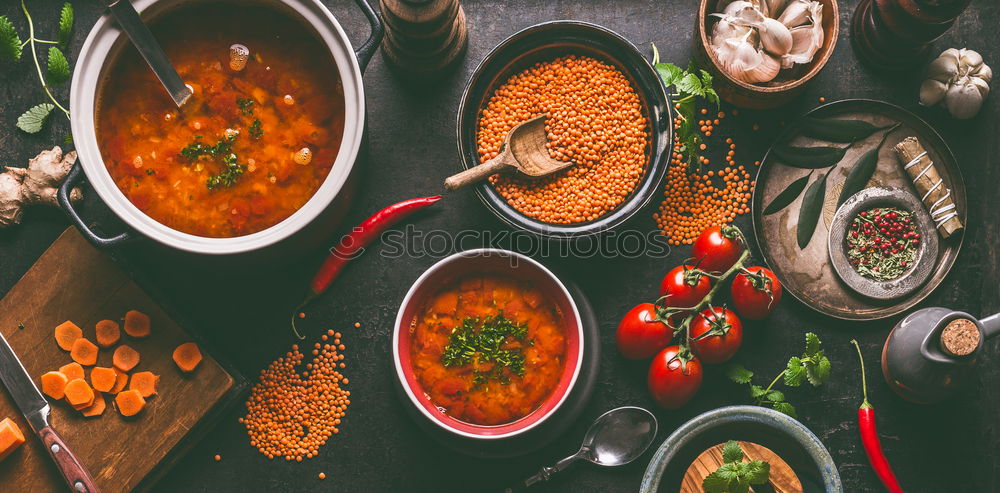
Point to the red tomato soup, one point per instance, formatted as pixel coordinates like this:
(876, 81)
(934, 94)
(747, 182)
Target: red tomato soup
(254, 142)
(488, 350)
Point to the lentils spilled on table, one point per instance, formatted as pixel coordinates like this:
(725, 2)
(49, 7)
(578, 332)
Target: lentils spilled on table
(595, 120)
(292, 414)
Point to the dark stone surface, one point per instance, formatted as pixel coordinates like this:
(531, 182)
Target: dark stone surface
(948, 447)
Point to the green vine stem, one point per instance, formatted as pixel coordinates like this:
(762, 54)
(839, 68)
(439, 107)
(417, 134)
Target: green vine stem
(34, 55)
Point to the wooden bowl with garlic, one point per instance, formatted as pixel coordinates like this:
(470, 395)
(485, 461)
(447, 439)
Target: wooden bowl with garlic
(762, 53)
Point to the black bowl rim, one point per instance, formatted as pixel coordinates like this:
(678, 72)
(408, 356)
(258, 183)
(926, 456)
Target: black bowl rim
(660, 121)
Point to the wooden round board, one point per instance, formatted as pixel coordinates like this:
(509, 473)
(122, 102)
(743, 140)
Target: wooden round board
(781, 479)
(807, 273)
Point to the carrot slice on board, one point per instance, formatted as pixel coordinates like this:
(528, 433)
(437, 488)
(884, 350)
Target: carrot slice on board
(103, 379)
(72, 370)
(145, 382)
(10, 437)
(108, 333)
(187, 356)
(97, 408)
(84, 352)
(137, 324)
(121, 381)
(129, 402)
(66, 334)
(79, 394)
(125, 358)
(54, 384)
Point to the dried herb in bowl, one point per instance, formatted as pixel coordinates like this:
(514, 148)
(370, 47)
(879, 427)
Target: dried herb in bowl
(882, 243)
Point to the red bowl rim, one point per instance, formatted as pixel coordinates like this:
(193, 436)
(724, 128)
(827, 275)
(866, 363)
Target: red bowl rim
(567, 381)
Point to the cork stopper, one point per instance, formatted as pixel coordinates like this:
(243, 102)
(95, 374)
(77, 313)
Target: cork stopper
(960, 337)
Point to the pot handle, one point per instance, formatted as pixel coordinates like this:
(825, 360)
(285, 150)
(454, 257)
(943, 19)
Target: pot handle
(367, 50)
(74, 177)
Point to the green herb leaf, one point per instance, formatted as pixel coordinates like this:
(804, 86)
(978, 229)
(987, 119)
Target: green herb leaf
(33, 120)
(785, 408)
(862, 170)
(255, 129)
(486, 341)
(756, 391)
(10, 42)
(246, 105)
(65, 24)
(837, 130)
(795, 373)
(757, 472)
(774, 396)
(787, 196)
(68, 140)
(691, 84)
(669, 72)
(731, 452)
(739, 487)
(58, 67)
(729, 471)
(738, 373)
(812, 344)
(809, 157)
(714, 483)
(810, 210)
(819, 371)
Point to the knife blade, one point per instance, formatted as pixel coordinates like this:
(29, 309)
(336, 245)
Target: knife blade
(144, 41)
(36, 409)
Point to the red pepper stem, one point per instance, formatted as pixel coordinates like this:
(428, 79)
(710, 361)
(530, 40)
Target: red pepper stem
(298, 309)
(864, 380)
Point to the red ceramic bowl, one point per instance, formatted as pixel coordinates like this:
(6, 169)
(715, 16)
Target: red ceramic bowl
(486, 261)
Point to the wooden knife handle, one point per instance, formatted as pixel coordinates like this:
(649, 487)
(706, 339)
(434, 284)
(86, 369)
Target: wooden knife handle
(76, 476)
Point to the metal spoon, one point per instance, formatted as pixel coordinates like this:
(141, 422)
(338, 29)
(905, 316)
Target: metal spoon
(616, 438)
(143, 40)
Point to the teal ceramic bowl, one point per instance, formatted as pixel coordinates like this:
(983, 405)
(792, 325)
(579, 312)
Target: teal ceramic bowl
(788, 438)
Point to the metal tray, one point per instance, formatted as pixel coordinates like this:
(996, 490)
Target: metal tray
(807, 273)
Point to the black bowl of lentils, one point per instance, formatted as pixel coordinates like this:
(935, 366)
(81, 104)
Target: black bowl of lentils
(609, 114)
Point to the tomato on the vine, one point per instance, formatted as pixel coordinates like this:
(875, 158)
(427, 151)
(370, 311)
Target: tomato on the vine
(641, 334)
(755, 293)
(716, 334)
(718, 248)
(674, 377)
(684, 287)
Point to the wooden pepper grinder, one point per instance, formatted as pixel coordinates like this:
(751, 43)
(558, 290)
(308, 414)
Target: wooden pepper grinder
(896, 35)
(423, 38)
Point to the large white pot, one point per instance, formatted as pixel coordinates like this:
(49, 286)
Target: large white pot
(96, 57)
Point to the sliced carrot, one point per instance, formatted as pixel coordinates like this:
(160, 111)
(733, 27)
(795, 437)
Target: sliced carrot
(125, 358)
(84, 352)
(97, 408)
(120, 382)
(103, 379)
(145, 382)
(54, 384)
(107, 333)
(130, 402)
(79, 394)
(72, 370)
(137, 324)
(10, 437)
(187, 356)
(66, 334)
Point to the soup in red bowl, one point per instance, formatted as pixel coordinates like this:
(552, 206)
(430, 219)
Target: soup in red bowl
(488, 344)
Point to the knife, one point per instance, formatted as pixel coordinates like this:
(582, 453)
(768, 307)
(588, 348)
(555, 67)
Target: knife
(128, 19)
(36, 409)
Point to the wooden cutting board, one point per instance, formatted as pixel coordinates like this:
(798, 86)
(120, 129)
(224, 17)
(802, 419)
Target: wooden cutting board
(782, 478)
(74, 281)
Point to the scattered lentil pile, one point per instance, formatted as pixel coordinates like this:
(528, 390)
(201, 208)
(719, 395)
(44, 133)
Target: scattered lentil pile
(595, 121)
(697, 197)
(292, 414)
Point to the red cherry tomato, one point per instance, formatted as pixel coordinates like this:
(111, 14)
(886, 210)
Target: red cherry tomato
(724, 335)
(718, 248)
(755, 296)
(640, 335)
(671, 380)
(684, 286)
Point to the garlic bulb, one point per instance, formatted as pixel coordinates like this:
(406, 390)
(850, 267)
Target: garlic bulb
(959, 80)
(807, 39)
(775, 37)
(796, 13)
(739, 56)
(767, 70)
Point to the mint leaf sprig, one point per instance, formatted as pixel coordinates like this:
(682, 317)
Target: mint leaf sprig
(812, 366)
(736, 476)
(689, 84)
(57, 70)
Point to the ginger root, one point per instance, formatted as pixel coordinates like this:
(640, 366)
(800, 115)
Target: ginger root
(36, 184)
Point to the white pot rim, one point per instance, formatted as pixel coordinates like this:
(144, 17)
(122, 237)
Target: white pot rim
(83, 100)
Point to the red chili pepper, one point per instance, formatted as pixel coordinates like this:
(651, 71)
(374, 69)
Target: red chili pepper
(869, 436)
(352, 243)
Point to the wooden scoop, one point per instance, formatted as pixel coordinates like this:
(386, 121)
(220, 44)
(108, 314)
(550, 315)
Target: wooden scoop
(523, 149)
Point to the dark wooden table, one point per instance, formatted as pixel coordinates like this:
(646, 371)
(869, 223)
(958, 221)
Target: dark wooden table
(949, 447)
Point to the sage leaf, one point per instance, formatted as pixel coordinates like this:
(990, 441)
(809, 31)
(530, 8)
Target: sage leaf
(33, 120)
(787, 196)
(862, 170)
(812, 206)
(836, 130)
(809, 157)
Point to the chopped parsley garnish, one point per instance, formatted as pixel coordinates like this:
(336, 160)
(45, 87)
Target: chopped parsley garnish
(150, 171)
(223, 150)
(255, 130)
(489, 340)
(20, 325)
(246, 105)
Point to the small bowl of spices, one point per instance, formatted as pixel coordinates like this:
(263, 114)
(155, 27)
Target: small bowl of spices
(609, 115)
(882, 243)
